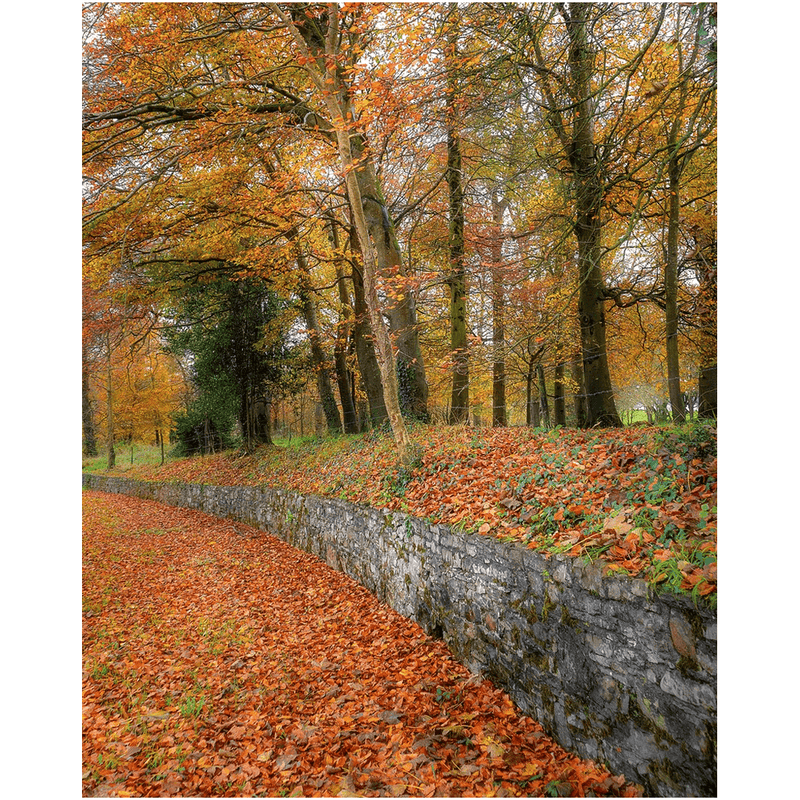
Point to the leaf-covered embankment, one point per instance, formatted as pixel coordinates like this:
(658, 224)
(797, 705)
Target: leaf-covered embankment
(640, 500)
(219, 661)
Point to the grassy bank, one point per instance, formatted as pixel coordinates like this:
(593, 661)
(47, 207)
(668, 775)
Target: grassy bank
(640, 501)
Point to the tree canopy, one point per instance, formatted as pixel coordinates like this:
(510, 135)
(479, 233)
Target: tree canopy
(494, 214)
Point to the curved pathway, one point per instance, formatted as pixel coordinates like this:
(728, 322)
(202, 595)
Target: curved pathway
(219, 661)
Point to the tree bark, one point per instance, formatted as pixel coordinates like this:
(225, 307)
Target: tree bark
(499, 418)
(600, 406)
(318, 360)
(559, 406)
(340, 349)
(543, 403)
(456, 282)
(532, 410)
(262, 419)
(365, 345)
(671, 285)
(708, 392)
(254, 419)
(401, 308)
(89, 435)
(111, 453)
(707, 339)
(389, 376)
(456, 279)
(579, 397)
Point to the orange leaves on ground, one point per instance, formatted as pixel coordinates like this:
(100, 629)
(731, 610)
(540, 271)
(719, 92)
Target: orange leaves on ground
(219, 661)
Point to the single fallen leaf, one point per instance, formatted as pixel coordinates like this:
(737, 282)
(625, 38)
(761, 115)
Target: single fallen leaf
(285, 761)
(492, 746)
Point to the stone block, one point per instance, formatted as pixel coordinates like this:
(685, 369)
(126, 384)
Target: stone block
(599, 645)
(689, 691)
(590, 577)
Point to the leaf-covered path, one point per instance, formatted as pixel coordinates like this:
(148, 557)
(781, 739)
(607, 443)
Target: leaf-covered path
(220, 661)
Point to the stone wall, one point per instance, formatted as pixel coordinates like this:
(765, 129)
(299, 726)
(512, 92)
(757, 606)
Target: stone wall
(611, 672)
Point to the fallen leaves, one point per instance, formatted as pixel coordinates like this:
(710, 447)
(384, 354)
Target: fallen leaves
(222, 665)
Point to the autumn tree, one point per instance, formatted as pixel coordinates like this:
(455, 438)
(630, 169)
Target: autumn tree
(456, 277)
(690, 120)
(147, 388)
(317, 34)
(130, 387)
(586, 103)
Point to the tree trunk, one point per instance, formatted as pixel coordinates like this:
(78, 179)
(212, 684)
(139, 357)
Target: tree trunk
(340, 350)
(402, 308)
(364, 419)
(344, 377)
(498, 315)
(254, 420)
(545, 406)
(579, 397)
(383, 344)
(112, 456)
(89, 435)
(600, 407)
(706, 255)
(365, 346)
(532, 410)
(263, 419)
(318, 360)
(389, 374)
(245, 423)
(301, 415)
(559, 407)
(708, 392)
(707, 339)
(671, 287)
(456, 280)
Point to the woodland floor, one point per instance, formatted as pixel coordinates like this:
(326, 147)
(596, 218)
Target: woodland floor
(220, 661)
(641, 501)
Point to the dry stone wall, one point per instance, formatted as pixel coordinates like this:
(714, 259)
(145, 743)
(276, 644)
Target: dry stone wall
(612, 672)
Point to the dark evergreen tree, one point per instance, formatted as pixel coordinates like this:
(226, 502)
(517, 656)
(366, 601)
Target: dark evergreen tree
(221, 331)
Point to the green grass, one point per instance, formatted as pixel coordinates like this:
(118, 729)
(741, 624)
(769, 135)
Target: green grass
(140, 453)
(193, 705)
